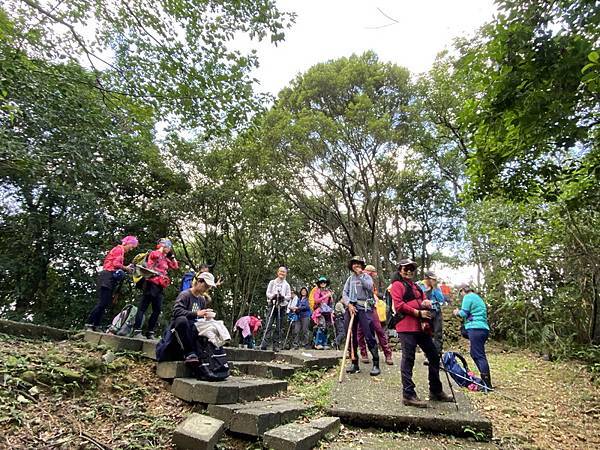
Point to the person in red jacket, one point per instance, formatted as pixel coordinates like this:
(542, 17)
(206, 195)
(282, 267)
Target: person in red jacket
(414, 328)
(113, 269)
(160, 260)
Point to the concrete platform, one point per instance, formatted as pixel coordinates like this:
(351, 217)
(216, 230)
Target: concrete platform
(231, 390)
(310, 359)
(255, 418)
(363, 400)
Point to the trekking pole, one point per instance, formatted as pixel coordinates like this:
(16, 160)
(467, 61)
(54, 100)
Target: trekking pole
(267, 327)
(348, 336)
(449, 383)
(287, 335)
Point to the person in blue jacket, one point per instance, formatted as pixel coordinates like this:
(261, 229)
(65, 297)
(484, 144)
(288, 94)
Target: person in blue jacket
(434, 294)
(302, 310)
(473, 311)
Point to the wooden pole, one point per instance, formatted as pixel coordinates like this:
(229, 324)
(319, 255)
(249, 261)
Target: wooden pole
(348, 337)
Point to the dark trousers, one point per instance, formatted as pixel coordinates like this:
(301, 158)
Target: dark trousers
(364, 319)
(409, 346)
(186, 332)
(153, 295)
(273, 329)
(301, 332)
(477, 338)
(104, 301)
(340, 329)
(437, 324)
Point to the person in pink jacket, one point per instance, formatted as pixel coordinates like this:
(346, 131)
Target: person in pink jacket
(160, 260)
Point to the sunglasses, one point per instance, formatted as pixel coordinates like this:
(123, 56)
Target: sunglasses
(407, 269)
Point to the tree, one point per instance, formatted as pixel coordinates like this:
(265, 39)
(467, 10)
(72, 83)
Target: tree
(171, 54)
(334, 135)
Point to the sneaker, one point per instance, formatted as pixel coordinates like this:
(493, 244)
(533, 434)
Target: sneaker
(440, 397)
(388, 360)
(191, 360)
(319, 347)
(264, 348)
(414, 401)
(137, 334)
(353, 368)
(326, 347)
(89, 327)
(151, 335)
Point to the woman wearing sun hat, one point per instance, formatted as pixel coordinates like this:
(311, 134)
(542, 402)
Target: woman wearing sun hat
(358, 298)
(160, 260)
(112, 270)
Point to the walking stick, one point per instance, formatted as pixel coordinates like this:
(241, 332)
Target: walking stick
(348, 337)
(287, 335)
(267, 327)
(449, 383)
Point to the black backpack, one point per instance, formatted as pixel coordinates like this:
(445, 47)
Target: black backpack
(214, 365)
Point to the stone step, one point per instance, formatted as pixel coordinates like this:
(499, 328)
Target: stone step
(301, 436)
(265, 369)
(255, 418)
(311, 359)
(231, 390)
(246, 354)
(115, 342)
(198, 432)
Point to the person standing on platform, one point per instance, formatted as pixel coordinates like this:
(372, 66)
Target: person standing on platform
(279, 294)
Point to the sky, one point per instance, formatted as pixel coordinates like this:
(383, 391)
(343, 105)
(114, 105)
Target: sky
(330, 29)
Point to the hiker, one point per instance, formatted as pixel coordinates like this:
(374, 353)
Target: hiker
(358, 299)
(206, 268)
(414, 329)
(180, 339)
(322, 312)
(160, 260)
(381, 334)
(112, 273)
(446, 292)
(434, 294)
(279, 294)
(248, 327)
(473, 311)
(338, 316)
(301, 310)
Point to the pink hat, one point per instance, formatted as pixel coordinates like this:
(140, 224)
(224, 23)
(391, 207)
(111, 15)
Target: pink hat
(130, 240)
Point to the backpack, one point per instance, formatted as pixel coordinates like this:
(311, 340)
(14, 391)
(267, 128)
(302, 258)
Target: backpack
(460, 373)
(311, 298)
(381, 309)
(122, 324)
(141, 259)
(214, 365)
(186, 281)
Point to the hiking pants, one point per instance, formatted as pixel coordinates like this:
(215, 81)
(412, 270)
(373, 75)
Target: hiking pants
(186, 331)
(340, 330)
(324, 323)
(153, 294)
(301, 332)
(409, 346)
(274, 326)
(104, 301)
(477, 338)
(381, 337)
(437, 324)
(364, 320)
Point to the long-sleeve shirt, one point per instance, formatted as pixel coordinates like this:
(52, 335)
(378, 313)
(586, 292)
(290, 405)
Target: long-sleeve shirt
(187, 305)
(114, 259)
(433, 294)
(322, 296)
(410, 323)
(248, 325)
(159, 262)
(357, 288)
(474, 309)
(279, 287)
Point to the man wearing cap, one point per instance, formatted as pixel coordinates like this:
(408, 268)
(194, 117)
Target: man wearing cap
(160, 260)
(180, 339)
(279, 293)
(434, 294)
(358, 297)
(377, 328)
(414, 329)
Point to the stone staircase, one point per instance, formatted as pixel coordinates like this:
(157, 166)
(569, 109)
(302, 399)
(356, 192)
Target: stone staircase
(249, 404)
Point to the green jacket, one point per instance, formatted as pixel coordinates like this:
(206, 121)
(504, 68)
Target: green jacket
(474, 310)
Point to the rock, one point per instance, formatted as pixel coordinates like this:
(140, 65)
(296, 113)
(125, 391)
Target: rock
(198, 432)
(28, 376)
(108, 357)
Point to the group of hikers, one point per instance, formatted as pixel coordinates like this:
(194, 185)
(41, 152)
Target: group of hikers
(413, 310)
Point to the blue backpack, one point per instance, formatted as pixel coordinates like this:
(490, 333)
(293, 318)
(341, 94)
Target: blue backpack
(461, 374)
(186, 281)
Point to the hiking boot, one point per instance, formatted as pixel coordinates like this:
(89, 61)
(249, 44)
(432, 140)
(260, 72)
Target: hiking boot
(191, 360)
(375, 369)
(263, 348)
(487, 380)
(89, 327)
(151, 335)
(414, 401)
(137, 334)
(440, 397)
(388, 360)
(353, 367)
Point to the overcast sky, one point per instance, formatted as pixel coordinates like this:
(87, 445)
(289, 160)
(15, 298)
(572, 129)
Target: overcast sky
(329, 29)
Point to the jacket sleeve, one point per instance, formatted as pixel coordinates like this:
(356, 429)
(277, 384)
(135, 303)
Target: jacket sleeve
(173, 264)
(288, 291)
(270, 290)
(465, 307)
(367, 282)
(181, 308)
(397, 296)
(117, 254)
(346, 292)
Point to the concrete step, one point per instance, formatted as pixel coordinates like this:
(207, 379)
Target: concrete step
(265, 369)
(246, 354)
(117, 343)
(231, 390)
(301, 436)
(198, 432)
(311, 359)
(255, 418)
